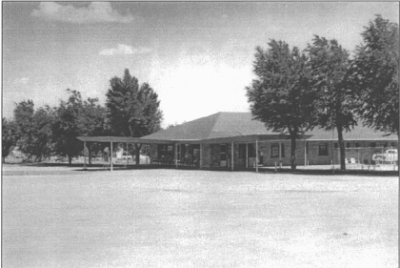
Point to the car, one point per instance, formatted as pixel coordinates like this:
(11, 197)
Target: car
(389, 156)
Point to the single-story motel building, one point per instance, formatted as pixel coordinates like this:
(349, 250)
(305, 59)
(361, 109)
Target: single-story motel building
(234, 141)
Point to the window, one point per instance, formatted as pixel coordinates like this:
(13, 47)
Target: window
(223, 148)
(252, 150)
(323, 149)
(348, 145)
(357, 145)
(274, 150)
(242, 151)
(372, 144)
(163, 153)
(222, 152)
(336, 145)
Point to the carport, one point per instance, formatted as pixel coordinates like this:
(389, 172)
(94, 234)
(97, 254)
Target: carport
(115, 139)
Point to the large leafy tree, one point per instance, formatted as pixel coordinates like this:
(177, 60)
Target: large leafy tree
(376, 72)
(281, 96)
(66, 126)
(23, 116)
(76, 117)
(42, 145)
(331, 71)
(133, 110)
(9, 137)
(34, 129)
(92, 122)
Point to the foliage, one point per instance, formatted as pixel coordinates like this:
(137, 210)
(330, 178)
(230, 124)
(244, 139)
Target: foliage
(9, 137)
(76, 117)
(91, 121)
(376, 72)
(133, 110)
(281, 96)
(330, 65)
(34, 129)
(42, 145)
(23, 115)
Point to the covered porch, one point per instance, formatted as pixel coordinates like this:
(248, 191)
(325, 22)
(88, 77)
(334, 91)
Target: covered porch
(116, 148)
(228, 153)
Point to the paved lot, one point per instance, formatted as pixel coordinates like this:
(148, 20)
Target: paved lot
(60, 217)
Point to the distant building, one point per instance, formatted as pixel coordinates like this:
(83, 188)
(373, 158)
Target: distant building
(233, 140)
(230, 140)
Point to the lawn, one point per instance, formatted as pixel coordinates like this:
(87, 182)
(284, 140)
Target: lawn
(63, 217)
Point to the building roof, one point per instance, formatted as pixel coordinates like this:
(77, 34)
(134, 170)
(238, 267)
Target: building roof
(239, 124)
(119, 139)
(219, 125)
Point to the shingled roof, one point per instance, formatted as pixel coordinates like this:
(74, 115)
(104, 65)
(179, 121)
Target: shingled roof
(232, 124)
(219, 125)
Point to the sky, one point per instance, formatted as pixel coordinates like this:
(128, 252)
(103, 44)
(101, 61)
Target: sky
(197, 56)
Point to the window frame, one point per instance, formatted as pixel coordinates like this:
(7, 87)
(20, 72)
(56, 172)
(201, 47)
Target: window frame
(323, 149)
(274, 150)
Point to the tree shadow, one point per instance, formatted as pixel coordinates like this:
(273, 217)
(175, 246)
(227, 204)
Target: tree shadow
(317, 171)
(331, 172)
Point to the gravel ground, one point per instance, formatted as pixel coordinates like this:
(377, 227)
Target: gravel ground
(63, 217)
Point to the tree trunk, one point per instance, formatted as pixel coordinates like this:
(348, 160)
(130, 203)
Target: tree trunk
(293, 152)
(70, 160)
(137, 153)
(341, 148)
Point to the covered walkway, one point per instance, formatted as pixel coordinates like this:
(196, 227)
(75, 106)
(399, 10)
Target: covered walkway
(112, 140)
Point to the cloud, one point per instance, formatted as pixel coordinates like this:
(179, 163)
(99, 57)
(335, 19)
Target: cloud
(122, 49)
(22, 80)
(95, 12)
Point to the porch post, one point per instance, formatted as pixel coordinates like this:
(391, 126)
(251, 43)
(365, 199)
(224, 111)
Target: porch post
(232, 156)
(126, 154)
(201, 156)
(176, 155)
(256, 155)
(111, 153)
(84, 154)
(247, 155)
(305, 153)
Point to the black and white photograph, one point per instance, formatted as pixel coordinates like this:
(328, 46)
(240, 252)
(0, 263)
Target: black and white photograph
(200, 134)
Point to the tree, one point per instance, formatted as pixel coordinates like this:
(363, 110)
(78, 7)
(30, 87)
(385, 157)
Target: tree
(281, 96)
(133, 110)
(91, 122)
(76, 117)
(23, 115)
(376, 72)
(9, 137)
(42, 142)
(330, 65)
(92, 117)
(34, 129)
(66, 126)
